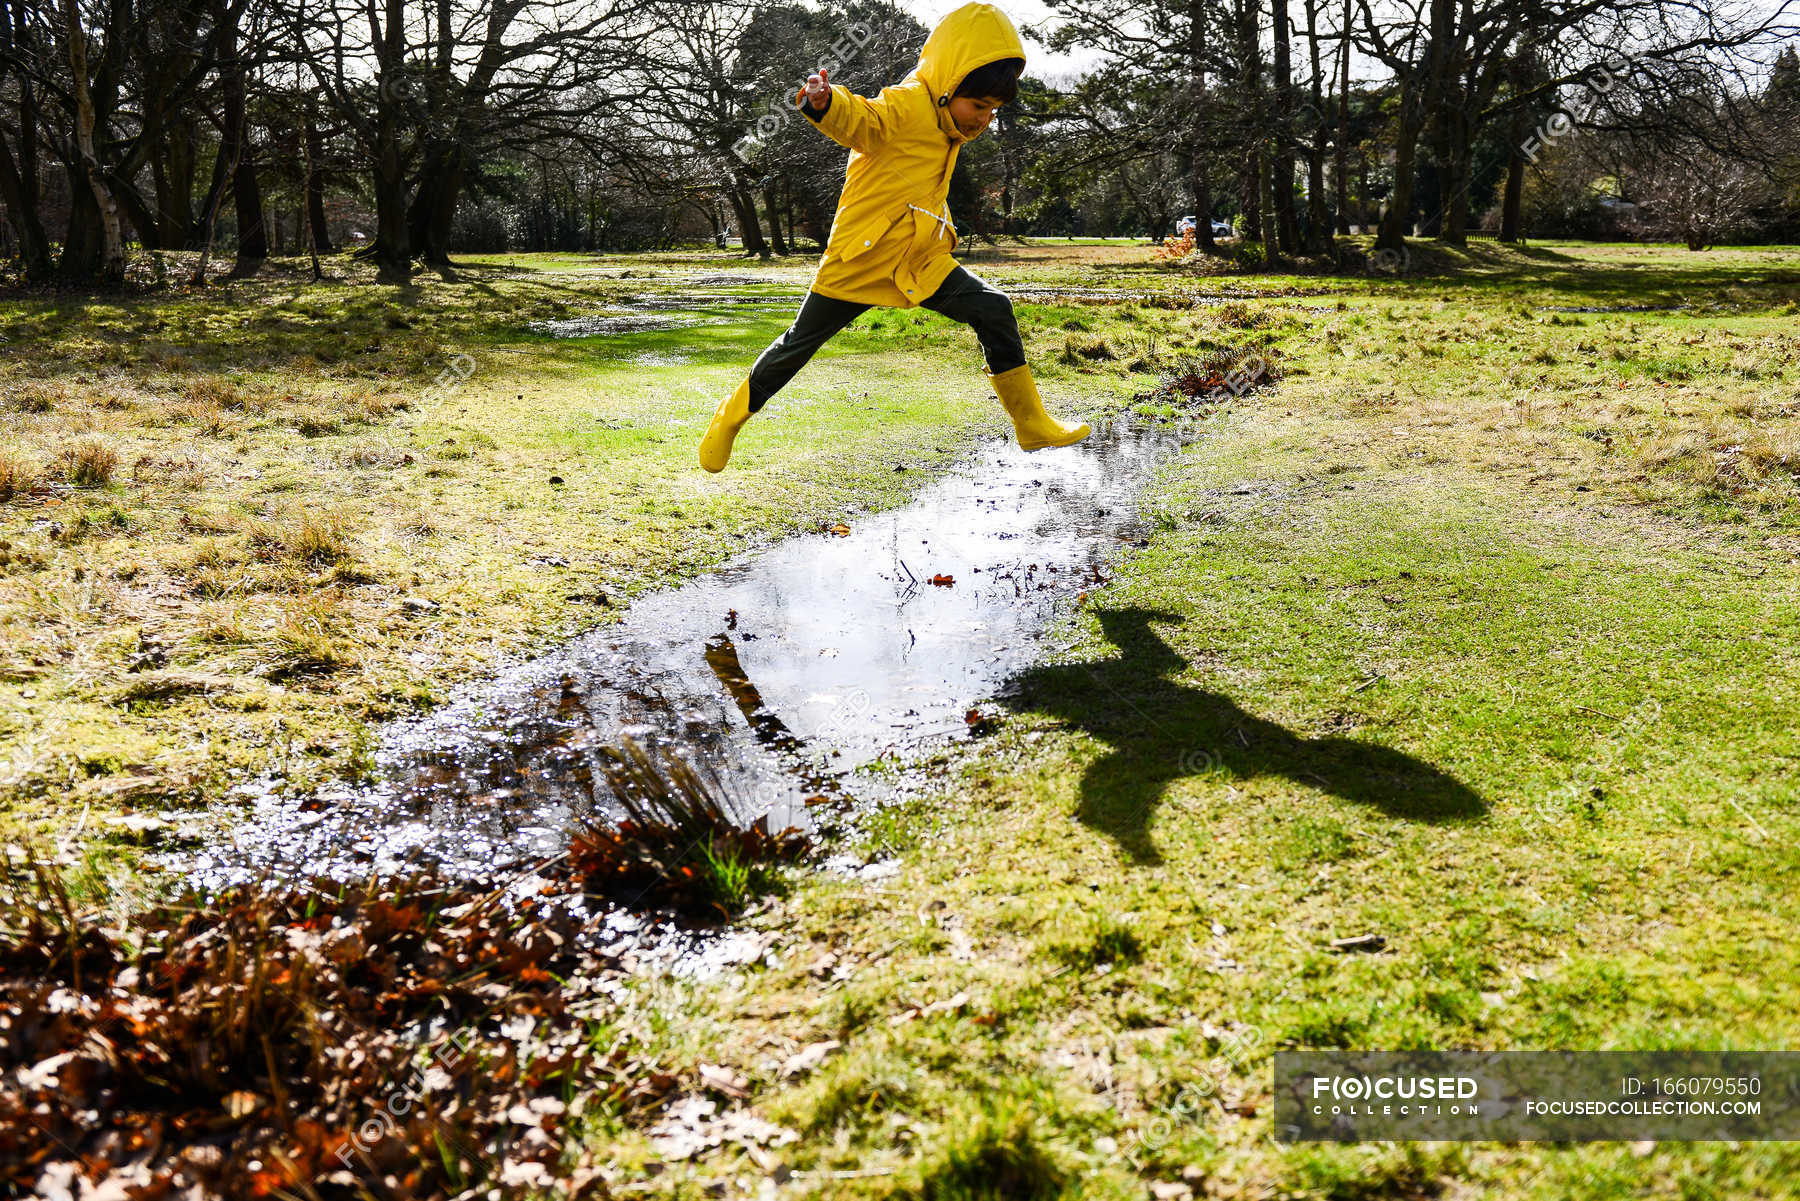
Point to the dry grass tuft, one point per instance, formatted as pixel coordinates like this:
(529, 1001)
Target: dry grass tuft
(215, 392)
(17, 474)
(1079, 350)
(209, 520)
(89, 463)
(213, 553)
(184, 473)
(318, 537)
(35, 396)
(219, 625)
(317, 423)
(204, 415)
(1234, 314)
(367, 405)
(269, 1007)
(310, 638)
(159, 686)
(321, 537)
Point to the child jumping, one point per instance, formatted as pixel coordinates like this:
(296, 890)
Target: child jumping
(892, 236)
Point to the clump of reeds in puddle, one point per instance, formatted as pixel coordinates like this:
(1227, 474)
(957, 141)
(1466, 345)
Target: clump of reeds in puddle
(686, 841)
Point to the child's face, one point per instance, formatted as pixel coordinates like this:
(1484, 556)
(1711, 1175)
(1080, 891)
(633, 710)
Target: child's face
(972, 113)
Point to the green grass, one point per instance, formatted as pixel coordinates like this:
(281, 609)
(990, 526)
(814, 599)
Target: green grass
(1478, 633)
(1413, 653)
(259, 477)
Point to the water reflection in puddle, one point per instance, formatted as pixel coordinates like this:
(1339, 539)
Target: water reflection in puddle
(796, 673)
(600, 327)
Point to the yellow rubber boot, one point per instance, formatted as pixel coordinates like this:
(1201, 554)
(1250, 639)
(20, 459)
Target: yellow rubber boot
(1036, 428)
(728, 419)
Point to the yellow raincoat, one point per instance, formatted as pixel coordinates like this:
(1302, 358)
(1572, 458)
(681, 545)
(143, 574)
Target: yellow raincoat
(891, 238)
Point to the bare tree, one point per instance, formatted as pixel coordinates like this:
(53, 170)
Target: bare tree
(1695, 195)
(425, 94)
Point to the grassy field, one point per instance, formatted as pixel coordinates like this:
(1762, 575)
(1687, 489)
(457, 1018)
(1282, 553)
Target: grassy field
(241, 526)
(1479, 633)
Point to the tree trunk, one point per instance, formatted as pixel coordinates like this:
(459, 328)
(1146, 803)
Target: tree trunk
(315, 188)
(1201, 183)
(84, 243)
(775, 236)
(1341, 167)
(156, 235)
(310, 204)
(749, 226)
(1512, 203)
(234, 143)
(1437, 104)
(1363, 207)
(175, 186)
(22, 215)
(392, 251)
(134, 208)
(1460, 181)
(87, 182)
(1250, 173)
(1428, 196)
(1199, 145)
(1281, 162)
(1009, 171)
(1318, 217)
(433, 211)
(1276, 246)
(214, 199)
(253, 234)
(1397, 220)
(393, 248)
(19, 179)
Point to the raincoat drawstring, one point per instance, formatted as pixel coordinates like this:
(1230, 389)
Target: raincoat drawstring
(943, 222)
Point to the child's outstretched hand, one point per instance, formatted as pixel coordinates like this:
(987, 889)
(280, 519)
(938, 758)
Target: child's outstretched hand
(818, 87)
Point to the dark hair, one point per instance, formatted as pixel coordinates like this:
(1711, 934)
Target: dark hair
(998, 80)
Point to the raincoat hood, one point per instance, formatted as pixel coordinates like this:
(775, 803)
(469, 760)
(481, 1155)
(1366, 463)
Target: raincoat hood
(969, 37)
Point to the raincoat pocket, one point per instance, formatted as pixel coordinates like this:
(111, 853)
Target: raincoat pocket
(866, 238)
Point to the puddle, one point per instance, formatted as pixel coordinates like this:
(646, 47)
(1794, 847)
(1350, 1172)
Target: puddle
(1612, 308)
(735, 281)
(691, 299)
(651, 312)
(1035, 294)
(599, 327)
(801, 674)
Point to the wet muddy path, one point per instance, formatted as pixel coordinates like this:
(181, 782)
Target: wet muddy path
(803, 675)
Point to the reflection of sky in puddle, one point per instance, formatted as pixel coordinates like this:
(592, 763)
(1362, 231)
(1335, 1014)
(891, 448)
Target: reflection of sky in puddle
(653, 312)
(784, 673)
(598, 327)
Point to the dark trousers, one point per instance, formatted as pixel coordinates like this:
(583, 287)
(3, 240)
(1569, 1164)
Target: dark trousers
(962, 296)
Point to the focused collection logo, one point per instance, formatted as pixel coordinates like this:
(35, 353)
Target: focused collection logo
(1378, 1094)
